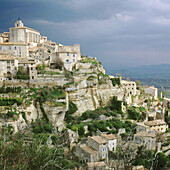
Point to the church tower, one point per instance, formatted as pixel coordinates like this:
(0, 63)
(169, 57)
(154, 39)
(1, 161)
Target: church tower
(19, 23)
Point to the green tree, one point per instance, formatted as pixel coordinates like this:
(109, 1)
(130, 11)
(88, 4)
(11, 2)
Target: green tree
(161, 161)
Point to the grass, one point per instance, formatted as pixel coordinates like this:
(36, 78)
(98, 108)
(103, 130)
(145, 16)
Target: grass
(51, 73)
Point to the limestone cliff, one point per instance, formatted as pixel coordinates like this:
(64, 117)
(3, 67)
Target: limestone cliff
(91, 98)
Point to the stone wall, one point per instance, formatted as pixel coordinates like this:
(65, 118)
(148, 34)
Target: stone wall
(92, 98)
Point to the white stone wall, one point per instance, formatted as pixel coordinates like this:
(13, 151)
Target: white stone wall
(112, 144)
(17, 49)
(152, 90)
(129, 86)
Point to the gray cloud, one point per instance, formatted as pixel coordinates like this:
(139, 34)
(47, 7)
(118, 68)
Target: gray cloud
(119, 33)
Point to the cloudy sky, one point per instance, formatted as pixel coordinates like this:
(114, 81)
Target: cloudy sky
(118, 32)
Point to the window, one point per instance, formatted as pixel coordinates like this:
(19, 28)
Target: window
(0, 47)
(9, 47)
(74, 55)
(15, 48)
(68, 54)
(67, 61)
(74, 60)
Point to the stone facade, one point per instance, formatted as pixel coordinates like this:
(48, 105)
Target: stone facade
(152, 91)
(9, 67)
(95, 149)
(20, 33)
(146, 139)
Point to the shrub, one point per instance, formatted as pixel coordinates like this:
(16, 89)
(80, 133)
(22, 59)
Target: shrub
(115, 81)
(116, 104)
(133, 114)
(72, 108)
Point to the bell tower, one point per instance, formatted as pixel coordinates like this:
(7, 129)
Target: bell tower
(19, 23)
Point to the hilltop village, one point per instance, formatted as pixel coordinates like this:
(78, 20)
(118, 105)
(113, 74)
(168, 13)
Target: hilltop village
(55, 90)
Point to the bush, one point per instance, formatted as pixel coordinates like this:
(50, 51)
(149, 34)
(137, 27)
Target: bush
(133, 114)
(115, 81)
(116, 104)
(72, 109)
(10, 101)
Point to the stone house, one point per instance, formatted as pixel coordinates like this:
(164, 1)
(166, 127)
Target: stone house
(9, 67)
(17, 49)
(166, 102)
(97, 166)
(94, 149)
(29, 65)
(159, 126)
(146, 139)
(152, 91)
(129, 86)
(111, 140)
(4, 37)
(70, 137)
(86, 153)
(99, 144)
(20, 33)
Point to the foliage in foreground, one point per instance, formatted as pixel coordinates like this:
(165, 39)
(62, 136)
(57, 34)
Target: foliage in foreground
(27, 150)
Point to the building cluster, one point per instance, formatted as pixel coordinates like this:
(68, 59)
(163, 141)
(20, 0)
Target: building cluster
(23, 46)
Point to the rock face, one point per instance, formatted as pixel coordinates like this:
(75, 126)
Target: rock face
(91, 98)
(55, 114)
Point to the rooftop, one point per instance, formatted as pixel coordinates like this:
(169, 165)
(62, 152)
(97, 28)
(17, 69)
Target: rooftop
(24, 28)
(96, 164)
(109, 136)
(98, 139)
(88, 149)
(155, 123)
(5, 57)
(145, 134)
(13, 43)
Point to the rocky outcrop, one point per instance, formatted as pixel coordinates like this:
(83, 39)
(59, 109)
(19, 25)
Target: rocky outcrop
(91, 98)
(56, 114)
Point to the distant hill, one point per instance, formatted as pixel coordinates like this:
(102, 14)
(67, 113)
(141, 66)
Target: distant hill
(147, 72)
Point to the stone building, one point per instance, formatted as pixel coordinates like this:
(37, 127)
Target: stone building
(166, 102)
(29, 65)
(111, 140)
(97, 166)
(20, 33)
(26, 42)
(86, 153)
(152, 91)
(8, 67)
(4, 37)
(94, 150)
(99, 144)
(129, 86)
(159, 126)
(17, 49)
(146, 139)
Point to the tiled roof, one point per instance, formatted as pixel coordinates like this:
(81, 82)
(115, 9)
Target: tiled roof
(145, 134)
(95, 164)
(13, 43)
(109, 136)
(24, 28)
(155, 123)
(98, 139)
(5, 57)
(88, 149)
